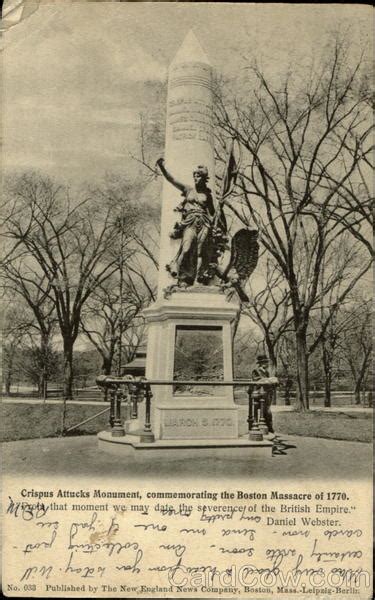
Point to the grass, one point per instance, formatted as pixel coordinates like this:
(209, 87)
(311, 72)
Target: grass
(24, 421)
(352, 426)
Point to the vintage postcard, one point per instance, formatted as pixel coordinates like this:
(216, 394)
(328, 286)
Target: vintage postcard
(186, 300)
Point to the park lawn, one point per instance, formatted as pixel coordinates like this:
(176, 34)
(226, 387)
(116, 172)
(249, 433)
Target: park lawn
(24, 421)
(353, 426)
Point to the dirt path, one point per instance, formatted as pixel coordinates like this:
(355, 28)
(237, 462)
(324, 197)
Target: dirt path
(294, 457)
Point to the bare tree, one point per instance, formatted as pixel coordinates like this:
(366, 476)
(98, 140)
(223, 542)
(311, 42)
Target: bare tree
(269, 308)
(110, 311)
(355, 198)
(20, 279)
(38, 364)
(66, 242)
(342, 264)
(134, 338)
(113, 314)
(13, 330)
(27, 343)
(355, 344)
(301, 140)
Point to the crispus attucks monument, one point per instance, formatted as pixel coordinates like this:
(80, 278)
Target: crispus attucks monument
(189, 363)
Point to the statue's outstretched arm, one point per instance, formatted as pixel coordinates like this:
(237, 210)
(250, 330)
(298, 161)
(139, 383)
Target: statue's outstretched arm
(180, 186)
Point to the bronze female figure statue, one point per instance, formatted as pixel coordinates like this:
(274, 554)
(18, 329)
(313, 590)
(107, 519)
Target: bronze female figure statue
(197, 211)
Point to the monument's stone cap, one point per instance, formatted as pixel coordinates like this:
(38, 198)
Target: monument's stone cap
(190, 51)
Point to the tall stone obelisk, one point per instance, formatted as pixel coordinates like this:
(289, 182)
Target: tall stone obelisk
(189, 137)
(198, 318)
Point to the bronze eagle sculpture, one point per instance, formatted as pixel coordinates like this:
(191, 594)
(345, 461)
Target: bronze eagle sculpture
(243, 260)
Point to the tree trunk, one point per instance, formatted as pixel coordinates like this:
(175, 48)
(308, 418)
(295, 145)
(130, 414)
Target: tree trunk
(8, 383)
(287, 390)
(106, 370)
(68, 379)
(272, 365)
(44, 353)
(106, 365)
(360, 377)
(271, 358)
(68, 370)
(302, 369)
(42, 385)
(8, 378)
(327, 390)
(357, 393)
(327, 360)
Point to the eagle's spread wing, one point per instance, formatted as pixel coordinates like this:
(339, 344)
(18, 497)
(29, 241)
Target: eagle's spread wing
(243, 260)
(244, 253)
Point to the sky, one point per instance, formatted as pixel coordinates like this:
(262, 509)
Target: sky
(78, 74)
(75, 73)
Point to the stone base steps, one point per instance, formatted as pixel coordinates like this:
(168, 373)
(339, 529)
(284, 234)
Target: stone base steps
(107, 441)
